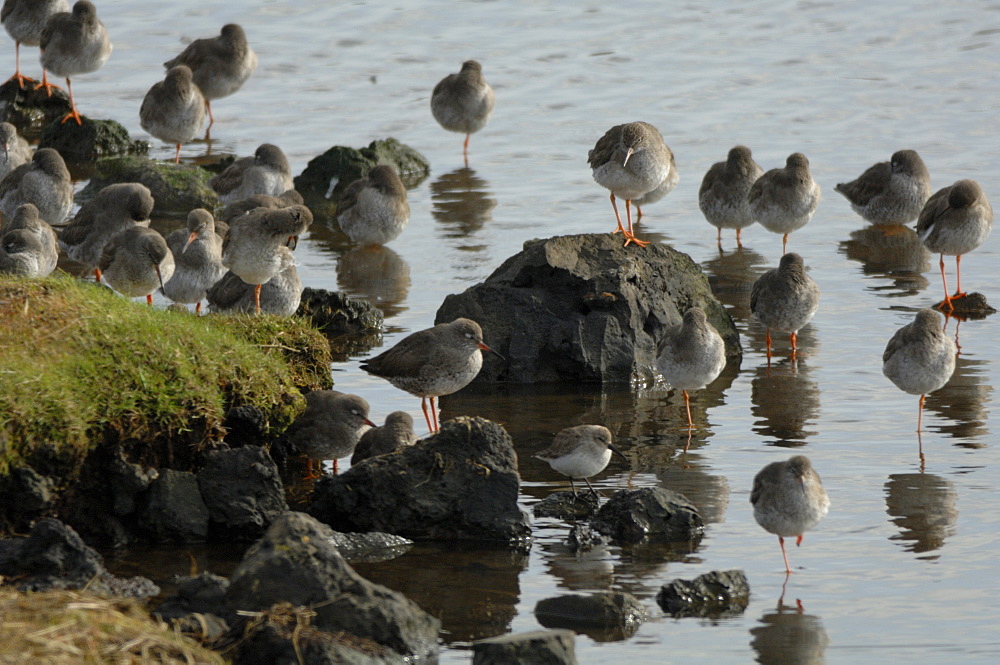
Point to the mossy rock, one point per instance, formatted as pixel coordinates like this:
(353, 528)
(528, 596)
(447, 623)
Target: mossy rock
(340, 166)
(31, 110)
(90, 141)
(177, 188)
(85, 368)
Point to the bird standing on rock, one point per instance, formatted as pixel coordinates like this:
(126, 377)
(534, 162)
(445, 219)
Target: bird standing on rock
(890, 193)
(580, 452)
(74, 43)
(631, 160)
(330, 427)
(463, 102)
(784, 199)
(24, 20)
(173, 110)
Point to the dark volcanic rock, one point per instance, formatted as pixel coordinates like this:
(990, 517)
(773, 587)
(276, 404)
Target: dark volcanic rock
(539, 647)
(605, 616)
(715, 594)
(174, 510)
(29, 110)
(246, 425)
(461, 484)
(566, 506)
(295, 562)
(92, 140)
(649, 513)
(370, 547)
(126, 481)
(581, 538)
(336, 314)
(202, 594)
(326, 177)
(971, 306)
(177, 189)
(584, 308)
(243, 492)
(25, 494)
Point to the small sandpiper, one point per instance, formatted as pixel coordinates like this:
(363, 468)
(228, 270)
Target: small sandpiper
(785, 299)
(197, 251)
(44, 182)
(173, 110)
(463, 102)
(433, 362)
(267, 172)
(373, 210)
(631, 160)
(24, 20)
(396, 433)
(920, 357)
(723, 197)
(580, 452)
(330, 427)
(74, 43)
(136, 262)
(784, 199)
(955, 221)
(691, 355)
(788, 499)
(890, 193)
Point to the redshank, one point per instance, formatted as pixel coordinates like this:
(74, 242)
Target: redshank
(21, 254)
(788, 499)
(115, 208)
(396, 433)
(580, 452)
(723, 197)
(279, 296)
(785, 299)
(691, 355)
(955, 221)
(631, 160)
(920, 357)
(221, 65)
(45, 183)
(330, 427)
(173, 110)
(74, 43)
(433, 362)
(197, 252)
(267, 172)
(890, 193)
(256, 246)
(661, 190)
(26, 218)
(16, 150)
(463, 102)
(237, 208)
(784, 199)
(135, 262)
(373, 210)
(24, 20)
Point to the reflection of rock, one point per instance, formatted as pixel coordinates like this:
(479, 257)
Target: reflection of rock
(922, 505)
(790, 637)
(376, 273)
(890, 252)
(962, 401)
(462, 202)
(732, 275)
(785, 401)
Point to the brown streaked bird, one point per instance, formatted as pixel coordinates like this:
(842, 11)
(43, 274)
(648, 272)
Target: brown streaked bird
(433, 362)
(135, 262)
(26, 218)
(173, 110)
(330, 427)
(724, 192)
(15, 149)
(955, 221)
(630, 160)
(920, 357)
(115, 208)
(24, 20)
(221, 65)
(237, 208)
(74, 43)
(396, 433)
(373, 210)
(197, 251)
(691, 355)
(785, 299)
(44, 182)
(279, 296)
(784, 199)
(267, 172)
(257, 244)
(580, 452)
(463, 102)
(788, 499)
(890, 193)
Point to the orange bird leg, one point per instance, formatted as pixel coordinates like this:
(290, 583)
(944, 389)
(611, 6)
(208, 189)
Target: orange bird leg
(767, 338)
(687, 405)
(427, 415)
(149, 299)
(256, 298)
(74, 114)
(97, 275)
(784, 555)
(958, 277)
(630, 235)
(920, 412)
(784, 244)
(434, 415)
(177, 155)
(739, 242)
(944, 280)
(795, 346)
(197, 307)
(618, 218)
(336, 469)
(18, 76)
(638, 212)
(465, 146)
(211, 118)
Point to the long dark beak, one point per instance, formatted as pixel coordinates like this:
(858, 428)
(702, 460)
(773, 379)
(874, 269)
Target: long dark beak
(486, 348)
(615, 450)
(158, 275)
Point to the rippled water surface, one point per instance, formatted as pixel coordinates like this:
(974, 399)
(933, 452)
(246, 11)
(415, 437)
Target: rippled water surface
(903, 568)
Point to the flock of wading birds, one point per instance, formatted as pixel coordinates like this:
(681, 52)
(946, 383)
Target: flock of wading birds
(265, 215)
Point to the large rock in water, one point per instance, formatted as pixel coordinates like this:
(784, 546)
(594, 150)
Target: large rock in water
(584, 308)
(460, 484)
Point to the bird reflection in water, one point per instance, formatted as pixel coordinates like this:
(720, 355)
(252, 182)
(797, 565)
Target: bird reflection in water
(789, 635)
(377, 273)
(890, 252)
(922, 506)
(785, 401)
(962, 402)
(462, 202)
(731, 275)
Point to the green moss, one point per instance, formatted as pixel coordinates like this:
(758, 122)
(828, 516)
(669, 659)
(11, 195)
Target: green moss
(177, 188)
(80, 365)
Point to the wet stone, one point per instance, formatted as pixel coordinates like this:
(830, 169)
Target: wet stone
(648, 514)
(243, 492)
(93, 140)
(30, 110)
(566, 506)
(712, 595)
(203, 594)
(177, 189)
(370, 547)
(538, 647)
(971, 306)
(175, 511)
(336, 314)
(582, 538)
(605, 616)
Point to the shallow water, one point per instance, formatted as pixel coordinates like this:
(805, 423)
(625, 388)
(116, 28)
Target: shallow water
(903, 566)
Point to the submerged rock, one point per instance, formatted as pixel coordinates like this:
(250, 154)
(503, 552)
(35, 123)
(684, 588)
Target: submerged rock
(715, 594)
(460, 484)
(971, 306)
(177, 189)
(605, 616)
(540, 647)
(352, 322)
(584, 308)
(93, 140)
(649, 513)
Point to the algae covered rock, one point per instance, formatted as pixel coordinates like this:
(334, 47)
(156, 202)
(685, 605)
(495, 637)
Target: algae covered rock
(177, 188)
(30, 110)
(92, 140)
